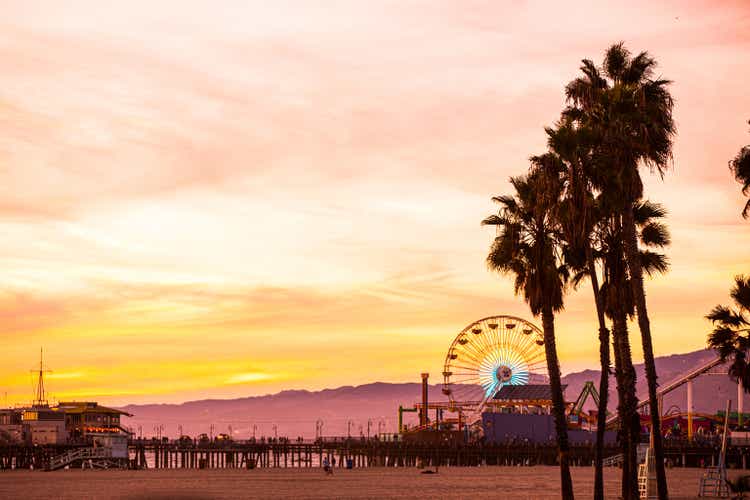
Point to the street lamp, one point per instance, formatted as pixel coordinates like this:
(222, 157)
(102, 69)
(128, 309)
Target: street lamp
(275, 432)
(369, 424)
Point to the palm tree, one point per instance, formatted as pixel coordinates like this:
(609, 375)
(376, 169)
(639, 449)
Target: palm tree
(620, 306)
(630, 112)
(527, 247)
(731, 335)
(740, 167)
(569, 156)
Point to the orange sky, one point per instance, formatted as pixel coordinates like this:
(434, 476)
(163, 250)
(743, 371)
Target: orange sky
(218, 199)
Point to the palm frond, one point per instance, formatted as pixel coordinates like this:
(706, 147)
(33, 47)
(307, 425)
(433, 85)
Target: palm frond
(641, 67)
(653, 263)
(616, 61)
(741, 292)
(578, 277)
(494, 220)
(655, 234)
(740, 167)
(725, 316)
(528, 245)
(507, 202)
(645, 210)
(723, 339)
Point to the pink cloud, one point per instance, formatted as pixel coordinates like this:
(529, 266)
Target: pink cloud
(243, 167)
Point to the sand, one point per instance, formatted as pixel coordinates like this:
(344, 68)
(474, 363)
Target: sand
(454, 482)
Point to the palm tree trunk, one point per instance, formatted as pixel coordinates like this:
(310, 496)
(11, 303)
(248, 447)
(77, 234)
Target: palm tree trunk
(558, 403)
(629, 420)
(601, 418)
(636, 279)
(623, 438)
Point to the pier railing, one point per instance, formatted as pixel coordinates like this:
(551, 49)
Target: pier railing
(72, 456)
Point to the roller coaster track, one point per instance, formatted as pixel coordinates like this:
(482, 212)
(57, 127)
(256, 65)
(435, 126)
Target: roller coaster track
(666, 389)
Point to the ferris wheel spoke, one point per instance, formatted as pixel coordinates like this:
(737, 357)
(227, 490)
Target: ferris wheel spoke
(470, 355)
(469, 368)
(530, 346)
(468, 381)
(465, 375)
(539, 361)
(473, 347)
(481, 338)
(473, 353)
(470, 347)
(536, 365)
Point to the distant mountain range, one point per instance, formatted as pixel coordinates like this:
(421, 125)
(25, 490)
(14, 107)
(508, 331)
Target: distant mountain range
(347, 409)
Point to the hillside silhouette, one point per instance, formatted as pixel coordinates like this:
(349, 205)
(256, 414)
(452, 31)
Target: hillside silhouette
(295, 412)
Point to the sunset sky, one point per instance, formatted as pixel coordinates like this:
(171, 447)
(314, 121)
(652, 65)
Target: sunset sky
(220, 199)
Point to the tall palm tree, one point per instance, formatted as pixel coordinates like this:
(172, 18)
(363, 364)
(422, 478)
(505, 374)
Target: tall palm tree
(569, 156)
(731, 335)
(527, 247)
(620, 306)
(740, 167)
(631, 112)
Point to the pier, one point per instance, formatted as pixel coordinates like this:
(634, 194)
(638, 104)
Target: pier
(152, 454)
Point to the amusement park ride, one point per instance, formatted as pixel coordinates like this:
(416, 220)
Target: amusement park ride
(489, 354)
(485, 359)
(497, 365)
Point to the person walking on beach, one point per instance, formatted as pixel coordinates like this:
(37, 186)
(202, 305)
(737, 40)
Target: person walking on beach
(327, 466)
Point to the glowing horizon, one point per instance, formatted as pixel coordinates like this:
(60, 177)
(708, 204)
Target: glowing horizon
(204, 200)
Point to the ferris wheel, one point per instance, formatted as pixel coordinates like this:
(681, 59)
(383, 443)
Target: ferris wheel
(489, 354)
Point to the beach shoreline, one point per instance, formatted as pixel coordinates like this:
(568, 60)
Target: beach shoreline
(450, 482)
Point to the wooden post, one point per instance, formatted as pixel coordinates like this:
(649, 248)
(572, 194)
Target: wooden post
(690, 409)
(740, 406)
(423, 414)
(722, 457)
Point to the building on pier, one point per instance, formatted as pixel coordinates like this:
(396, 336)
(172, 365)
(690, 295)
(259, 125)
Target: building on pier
(67, 422)
(11, 426)
(76, 422)
(519, 413)
(522, 413)
(86, 420)
(44, 425)
(529, 399)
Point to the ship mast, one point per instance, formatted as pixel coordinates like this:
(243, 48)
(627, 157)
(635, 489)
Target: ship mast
(40, 397)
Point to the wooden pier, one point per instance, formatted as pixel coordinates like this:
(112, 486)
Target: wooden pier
(146, 454)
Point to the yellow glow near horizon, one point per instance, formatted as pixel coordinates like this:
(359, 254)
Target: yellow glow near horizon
(242, 378)
(201, 201)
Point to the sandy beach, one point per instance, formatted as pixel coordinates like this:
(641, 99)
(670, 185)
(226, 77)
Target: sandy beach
(456, 482)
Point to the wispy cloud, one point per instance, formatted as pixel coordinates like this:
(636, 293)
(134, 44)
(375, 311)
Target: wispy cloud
(195, 185)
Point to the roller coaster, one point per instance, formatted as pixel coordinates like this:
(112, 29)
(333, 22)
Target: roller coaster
(687, 379)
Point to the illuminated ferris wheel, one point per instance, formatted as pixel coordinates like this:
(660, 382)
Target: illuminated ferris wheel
(489, 354)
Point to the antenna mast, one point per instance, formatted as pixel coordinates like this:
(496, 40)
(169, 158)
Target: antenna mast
(40, 397)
